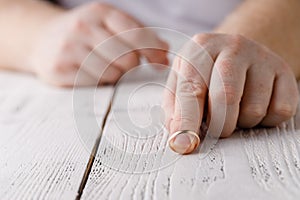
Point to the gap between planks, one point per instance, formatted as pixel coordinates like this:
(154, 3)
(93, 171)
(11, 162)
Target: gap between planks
(93, 154)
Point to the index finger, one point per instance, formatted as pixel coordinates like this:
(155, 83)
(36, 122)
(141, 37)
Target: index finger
(136, 36)
(191, 91)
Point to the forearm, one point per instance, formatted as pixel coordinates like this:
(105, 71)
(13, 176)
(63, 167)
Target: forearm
(20, 23)
(274, 23)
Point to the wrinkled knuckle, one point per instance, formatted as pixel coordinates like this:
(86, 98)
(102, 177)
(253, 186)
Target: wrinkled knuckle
(202, 38)
(193, 87)
(237, 43)
(285, 111)
(237, 39)
(254, 111)
(225, 68)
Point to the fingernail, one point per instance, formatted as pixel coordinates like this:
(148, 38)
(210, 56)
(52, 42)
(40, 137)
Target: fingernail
(184, 143)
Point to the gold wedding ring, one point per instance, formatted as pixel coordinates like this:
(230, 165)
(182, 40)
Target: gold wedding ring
(194, 142)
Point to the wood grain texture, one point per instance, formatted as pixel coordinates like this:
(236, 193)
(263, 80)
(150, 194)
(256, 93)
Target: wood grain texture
(44, 151)
(135, 163)
(43, 155)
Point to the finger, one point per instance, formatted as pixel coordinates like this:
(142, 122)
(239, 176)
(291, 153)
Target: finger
(116, 21)
(113, 50)
(82, 78)
(225, 91)
(191, 91)
(138, 37)
(189, 103)
(190, 95)
(66, 68)
(93, 12)
(169, 93)
(284, 100)
(79, 76)
(256, 97)
(100, 69)
(91, 65)
(193, 74)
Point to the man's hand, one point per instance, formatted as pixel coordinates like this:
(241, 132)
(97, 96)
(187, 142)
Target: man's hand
(256, 86)
(68, 39)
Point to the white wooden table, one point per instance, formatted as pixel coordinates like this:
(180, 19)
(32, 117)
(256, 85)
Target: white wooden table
(46, 154)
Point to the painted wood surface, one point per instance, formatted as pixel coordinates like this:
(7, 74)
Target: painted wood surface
(134, 162)
(42, 153)
(45, 148)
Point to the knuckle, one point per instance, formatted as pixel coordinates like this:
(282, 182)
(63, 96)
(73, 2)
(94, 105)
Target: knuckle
(202, 38)
(193, 87)
(254, 111)
(263, 54)
(237, 43)
(225, 68)
(237, 38)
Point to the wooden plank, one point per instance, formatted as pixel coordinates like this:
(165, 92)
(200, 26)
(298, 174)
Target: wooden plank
(43, 150)
(135, 163)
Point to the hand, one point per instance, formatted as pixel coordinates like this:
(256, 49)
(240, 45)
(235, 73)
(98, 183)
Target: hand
(68, 39)
(256, 86)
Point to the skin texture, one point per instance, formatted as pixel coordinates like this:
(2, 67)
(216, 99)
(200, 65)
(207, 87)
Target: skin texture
(253, 73)
(250, 64)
